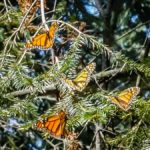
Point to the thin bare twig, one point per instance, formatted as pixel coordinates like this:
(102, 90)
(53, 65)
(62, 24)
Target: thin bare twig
(106, 73)
(10, 4)
(83, 129)
(19, 61)
(15, 33)
(43, 15)
(98, 126)
(28, 91)
(7, 10)
(90, 147)
(54, 8)
(141, 59)
(54, 5)
(130, 31)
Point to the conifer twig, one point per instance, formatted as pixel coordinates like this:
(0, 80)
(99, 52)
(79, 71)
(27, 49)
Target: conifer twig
(52, 87)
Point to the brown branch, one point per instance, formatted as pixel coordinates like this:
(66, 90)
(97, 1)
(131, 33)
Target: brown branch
(98, 143)
(28, 91)
(52, 87)
(106, 73)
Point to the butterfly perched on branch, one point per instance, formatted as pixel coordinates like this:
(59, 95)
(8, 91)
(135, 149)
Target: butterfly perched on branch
(55, 124)
(82, 79)
(43, 41)
(125, 98)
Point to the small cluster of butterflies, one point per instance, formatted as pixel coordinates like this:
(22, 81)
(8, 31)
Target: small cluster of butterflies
(56, 124)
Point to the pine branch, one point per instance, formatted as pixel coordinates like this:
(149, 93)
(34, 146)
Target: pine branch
(131, 65)
(108, 73)
(52, 87)
(28, 91)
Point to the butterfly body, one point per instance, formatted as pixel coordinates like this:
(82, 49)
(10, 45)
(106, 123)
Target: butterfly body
(82, 79)
(43, 41)
(124, 99)
(54, 124)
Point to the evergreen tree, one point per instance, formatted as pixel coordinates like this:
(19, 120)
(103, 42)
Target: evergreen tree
(36, 83)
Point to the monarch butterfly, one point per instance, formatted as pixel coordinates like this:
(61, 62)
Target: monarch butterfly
(124, 99)
(54, 124)
(43, 41)
(82, 79)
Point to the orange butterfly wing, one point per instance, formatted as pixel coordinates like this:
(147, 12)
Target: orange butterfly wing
(43, 41)
(124, 99)
(55, 124)
(82, 79)
(52, 30)
(52, 124)
(40, 124)
(61, 129)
